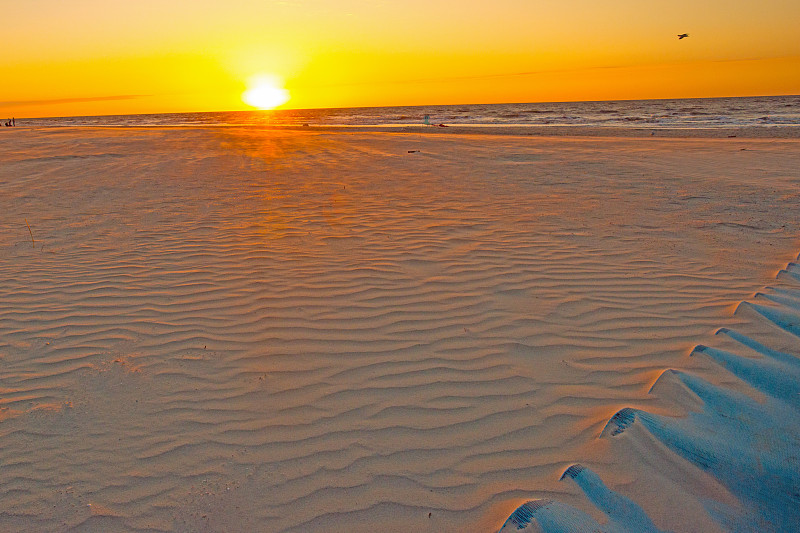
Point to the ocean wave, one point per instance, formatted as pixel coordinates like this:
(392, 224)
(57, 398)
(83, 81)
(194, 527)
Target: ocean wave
(690, 112)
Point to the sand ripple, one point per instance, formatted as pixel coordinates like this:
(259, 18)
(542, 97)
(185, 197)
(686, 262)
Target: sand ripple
(746, 440)
(245, 330)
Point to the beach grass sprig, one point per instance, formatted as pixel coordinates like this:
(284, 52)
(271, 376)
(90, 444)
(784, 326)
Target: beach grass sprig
(31, 232)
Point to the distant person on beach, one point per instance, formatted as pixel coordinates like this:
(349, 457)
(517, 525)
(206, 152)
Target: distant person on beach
(427, 121)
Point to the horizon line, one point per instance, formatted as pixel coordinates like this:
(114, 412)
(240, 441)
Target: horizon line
(403, 105)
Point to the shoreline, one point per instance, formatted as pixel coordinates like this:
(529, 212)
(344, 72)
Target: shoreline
(738, 132)
(762, 132)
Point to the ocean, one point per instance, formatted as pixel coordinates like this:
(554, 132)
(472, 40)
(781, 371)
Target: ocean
(675, 113)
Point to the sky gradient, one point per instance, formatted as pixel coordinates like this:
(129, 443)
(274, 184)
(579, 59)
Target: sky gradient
(94, 57)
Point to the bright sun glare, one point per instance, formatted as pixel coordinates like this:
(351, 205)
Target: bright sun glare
(265, 92)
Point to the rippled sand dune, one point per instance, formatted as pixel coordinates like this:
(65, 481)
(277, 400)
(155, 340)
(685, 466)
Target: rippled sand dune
(742, 439)
(232, 329)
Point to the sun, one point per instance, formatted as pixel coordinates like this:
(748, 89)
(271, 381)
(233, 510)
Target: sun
(265, 92)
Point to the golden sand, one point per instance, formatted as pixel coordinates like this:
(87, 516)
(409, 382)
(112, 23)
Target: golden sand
(233, 329)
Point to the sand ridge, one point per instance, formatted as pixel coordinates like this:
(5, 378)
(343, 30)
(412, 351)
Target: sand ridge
(242, 329)
(733, 446)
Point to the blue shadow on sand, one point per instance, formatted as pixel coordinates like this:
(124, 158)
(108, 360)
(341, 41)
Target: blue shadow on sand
(751, 447)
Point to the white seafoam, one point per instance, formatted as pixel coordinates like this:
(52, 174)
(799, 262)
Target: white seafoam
(252, 330)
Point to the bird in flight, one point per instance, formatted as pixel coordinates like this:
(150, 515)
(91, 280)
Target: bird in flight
(682, 36)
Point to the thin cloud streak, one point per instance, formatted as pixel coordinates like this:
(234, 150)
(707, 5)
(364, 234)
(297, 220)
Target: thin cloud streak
(56, 101)
(544, 71)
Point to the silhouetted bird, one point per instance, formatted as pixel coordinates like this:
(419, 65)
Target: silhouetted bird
(682, 35)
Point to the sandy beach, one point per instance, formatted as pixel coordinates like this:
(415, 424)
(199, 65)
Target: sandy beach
(305, 330)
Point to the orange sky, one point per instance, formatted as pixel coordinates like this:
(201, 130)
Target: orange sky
(92, 57)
